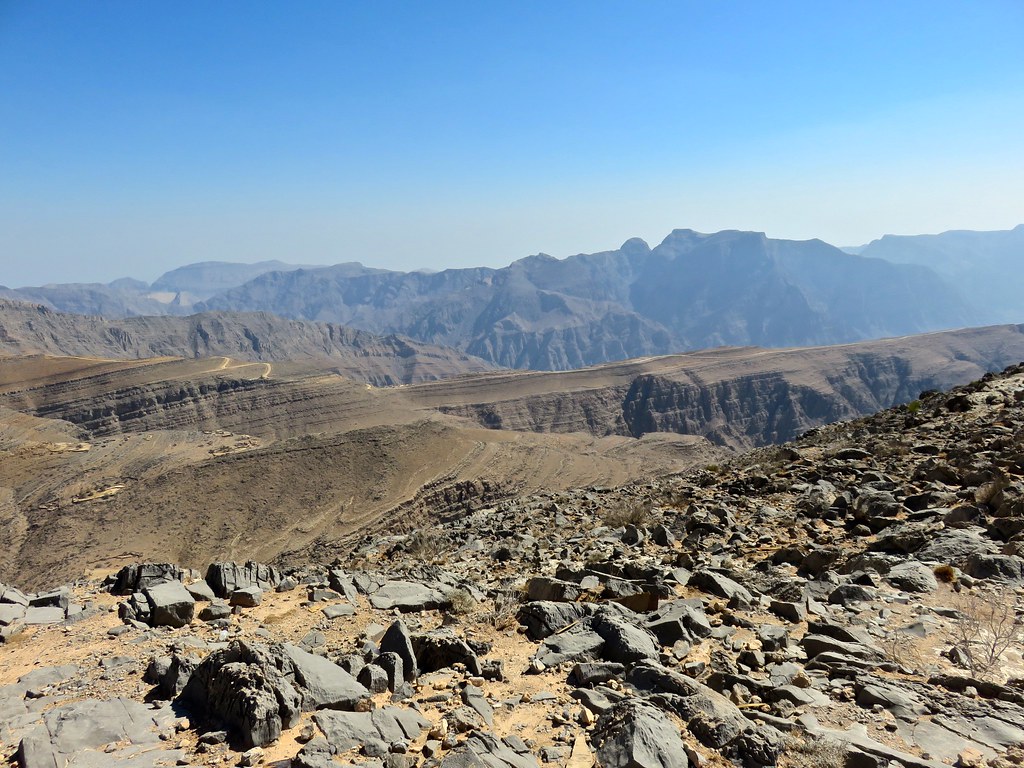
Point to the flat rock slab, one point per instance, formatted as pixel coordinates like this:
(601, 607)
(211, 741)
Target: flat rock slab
(44, 615)
(345, 730)
(68, 734)
(323, 683)
(858, 738)
(576, 645)
(406, 596)
(337, 611)
(485, 750)
(10, 613)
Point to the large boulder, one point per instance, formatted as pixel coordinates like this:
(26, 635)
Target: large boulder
(137, 577)
(398, 640)
(709, 715)
(407, 596)
(543, 618)
(624, 642)
(440, 649)
(225, 578)
(912, 576)
(259, 690)
(719, 584)
(323, 683)
(634, 734)
(170, 604)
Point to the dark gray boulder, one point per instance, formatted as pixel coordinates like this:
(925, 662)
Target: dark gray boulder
(719, 584)
(247, 597)
(814, 645)
(397, 639)
(997, 567)
(624, 642)
(244, 687)
(392, 665)
(374, 678)
(440, 649)
(225, 578)
(170, 604)
(543, 618)
(634, 734)
(912, 576)
(955, 546)
(709, 715)
(259, 690)
(589, 673)
(138, 576)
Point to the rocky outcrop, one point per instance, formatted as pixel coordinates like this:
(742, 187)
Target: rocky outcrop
(258, 690)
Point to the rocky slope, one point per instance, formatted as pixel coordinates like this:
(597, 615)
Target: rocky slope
(160, 443)
(833, 601)
(358, 355)
(691, 291)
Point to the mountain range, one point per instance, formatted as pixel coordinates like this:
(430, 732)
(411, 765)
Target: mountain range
(691, 291)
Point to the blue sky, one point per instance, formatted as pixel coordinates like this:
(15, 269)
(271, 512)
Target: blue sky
(135, 137)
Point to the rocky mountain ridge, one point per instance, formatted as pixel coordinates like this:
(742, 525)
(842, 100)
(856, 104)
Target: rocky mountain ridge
(691, 291)
(985, 264)
(832, 601)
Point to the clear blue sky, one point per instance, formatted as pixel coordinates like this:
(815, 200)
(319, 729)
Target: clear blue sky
(138, 136)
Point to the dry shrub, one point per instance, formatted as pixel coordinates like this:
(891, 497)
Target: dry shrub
(945, 573)
(507, 599)
(900, 647)
(423, 545)
(985, 628)
(627, 512)
(459, 601)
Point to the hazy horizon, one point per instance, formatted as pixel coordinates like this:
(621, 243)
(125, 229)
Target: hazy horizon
(138, 138)
(150, 278)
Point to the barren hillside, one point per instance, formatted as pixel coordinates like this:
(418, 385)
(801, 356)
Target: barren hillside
(247, 336)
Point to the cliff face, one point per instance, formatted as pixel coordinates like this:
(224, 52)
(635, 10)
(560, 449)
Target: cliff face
(735, 397)
(745, 398)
